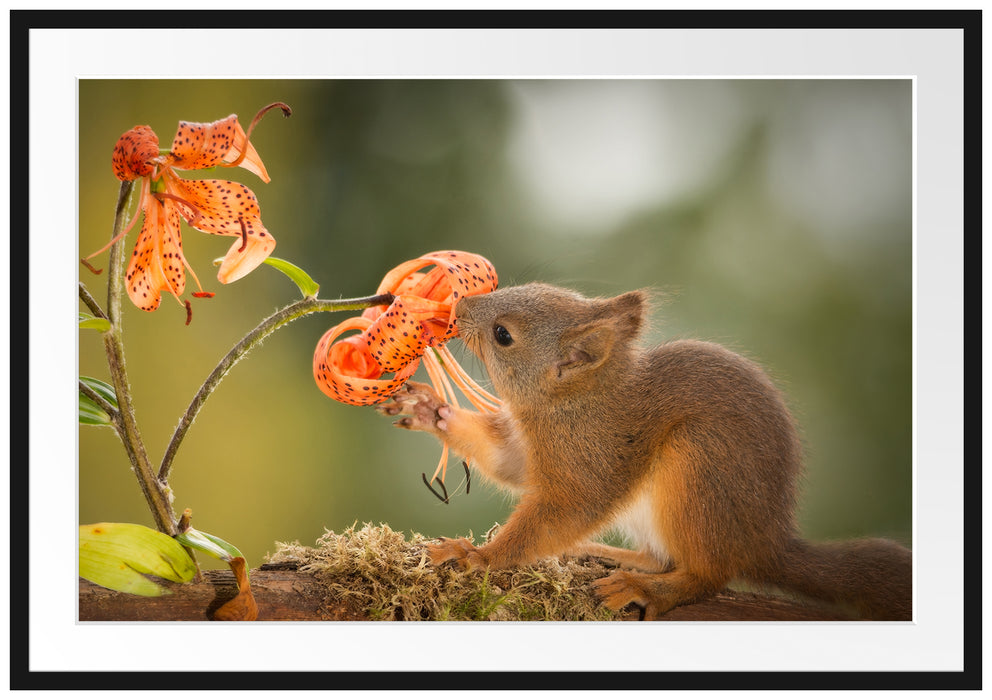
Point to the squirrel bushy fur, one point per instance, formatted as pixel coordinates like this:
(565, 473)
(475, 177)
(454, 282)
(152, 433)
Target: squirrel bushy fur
(687, 447)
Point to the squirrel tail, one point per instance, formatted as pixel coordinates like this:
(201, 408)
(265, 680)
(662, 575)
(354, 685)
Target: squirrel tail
(875, 576)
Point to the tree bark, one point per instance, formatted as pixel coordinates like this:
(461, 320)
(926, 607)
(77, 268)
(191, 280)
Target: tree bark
(285, 594)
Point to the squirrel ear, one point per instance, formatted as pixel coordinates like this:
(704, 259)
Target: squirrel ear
(585, 348)
(626, 311)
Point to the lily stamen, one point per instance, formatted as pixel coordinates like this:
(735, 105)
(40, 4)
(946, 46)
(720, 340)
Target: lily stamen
(244, 149)
(192, 221)
(145, 189)
(196, 279)
(95, 271)
(479, 397)
(244, 235)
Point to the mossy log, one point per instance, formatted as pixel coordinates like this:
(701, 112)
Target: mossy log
(377, 574)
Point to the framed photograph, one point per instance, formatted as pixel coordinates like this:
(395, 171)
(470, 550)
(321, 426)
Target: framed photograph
(798, 195)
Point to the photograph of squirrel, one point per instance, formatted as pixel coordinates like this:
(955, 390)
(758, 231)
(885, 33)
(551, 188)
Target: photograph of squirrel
(687, 448)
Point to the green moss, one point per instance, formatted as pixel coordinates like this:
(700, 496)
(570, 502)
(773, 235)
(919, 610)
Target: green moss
(389, 577)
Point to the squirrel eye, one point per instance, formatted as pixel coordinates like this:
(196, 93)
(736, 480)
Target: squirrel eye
(502, 335)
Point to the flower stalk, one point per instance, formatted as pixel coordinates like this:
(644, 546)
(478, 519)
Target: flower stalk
(155, 486)
(154, 491)
(274, 322)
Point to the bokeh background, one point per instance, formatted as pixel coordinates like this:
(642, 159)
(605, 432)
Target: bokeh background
(774, 216)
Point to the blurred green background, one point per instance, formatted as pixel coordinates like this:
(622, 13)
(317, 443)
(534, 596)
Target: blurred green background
(774, 216)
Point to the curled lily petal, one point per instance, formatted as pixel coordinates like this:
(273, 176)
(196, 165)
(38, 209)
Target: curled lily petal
(247, 157)
(405, 286)
(251, 162)
(460, 274)
(351, 356)
(398, 336)
(205, 145)
(395, 338)
(244, 256)
(346, 372)
(134, 153)
(228, 209)
(454, 274)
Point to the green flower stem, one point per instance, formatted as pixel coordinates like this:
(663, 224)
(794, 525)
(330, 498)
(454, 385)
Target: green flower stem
(277, 320)
(110, 410)
(156, 487)
(156, 492)
(90, 302)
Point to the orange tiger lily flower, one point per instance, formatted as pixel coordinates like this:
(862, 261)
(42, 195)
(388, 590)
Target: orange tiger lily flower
(415, 326)
(219, 207)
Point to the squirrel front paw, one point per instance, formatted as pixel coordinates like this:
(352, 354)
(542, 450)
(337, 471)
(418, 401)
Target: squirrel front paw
(462, 552)
(419, 405)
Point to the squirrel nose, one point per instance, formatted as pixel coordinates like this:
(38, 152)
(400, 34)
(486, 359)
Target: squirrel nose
(463, 308)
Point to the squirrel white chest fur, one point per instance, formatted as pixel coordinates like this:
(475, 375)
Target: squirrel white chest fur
(636, 522)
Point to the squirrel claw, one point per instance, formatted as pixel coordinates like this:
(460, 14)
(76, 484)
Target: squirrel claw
(403, 400)
(389, 408)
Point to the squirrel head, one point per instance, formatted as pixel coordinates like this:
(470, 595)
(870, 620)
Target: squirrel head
(538, 340)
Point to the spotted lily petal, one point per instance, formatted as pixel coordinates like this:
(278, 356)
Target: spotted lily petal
(401, 334)
(454, 274)
(157, 263)
(228, 209)
(252, 161)
(345, 372)
(200, 145)
(134, 153)
(217, 206)
(395, 338)
(244, 256)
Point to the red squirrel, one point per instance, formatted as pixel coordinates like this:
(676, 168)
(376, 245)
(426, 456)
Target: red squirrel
(687, 447)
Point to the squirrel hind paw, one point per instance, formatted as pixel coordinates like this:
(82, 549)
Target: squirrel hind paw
(461, 552)
(621, 588)
(624, 588)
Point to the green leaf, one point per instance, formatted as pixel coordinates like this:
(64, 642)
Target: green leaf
(301, 278)
(307, 286)
(90, 413)
(211, 544)
(102, 388)
(89, 321)
(120, 555)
